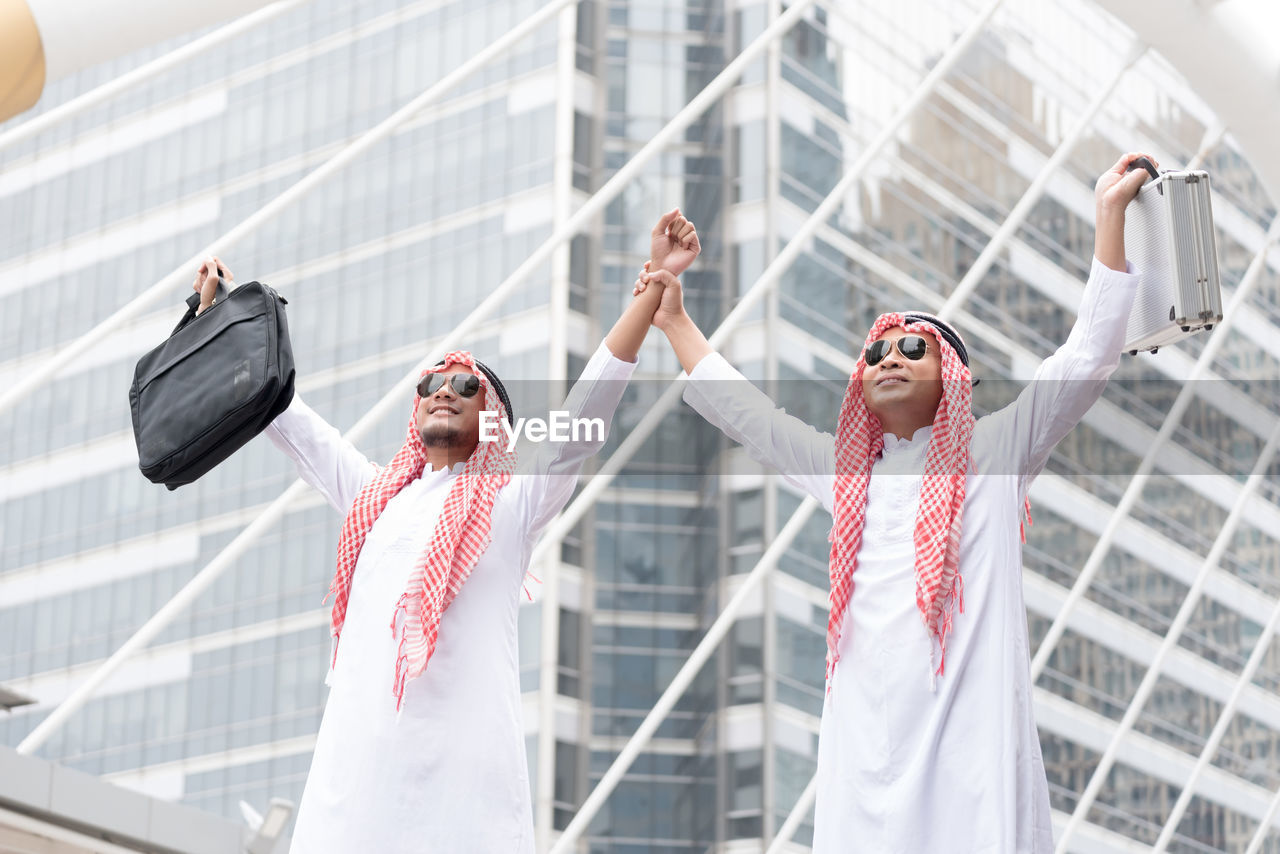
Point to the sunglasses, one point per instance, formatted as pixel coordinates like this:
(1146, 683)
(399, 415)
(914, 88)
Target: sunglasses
(911, 347)
(463, 385)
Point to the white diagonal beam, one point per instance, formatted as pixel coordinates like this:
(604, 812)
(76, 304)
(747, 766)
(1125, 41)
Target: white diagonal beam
(930, 300)
(768, 279)
(276, 510)
(797, 814)
(1249, 414)
(141, 74)
(1093, 839)
(1068, 192)
(1213, 135)
(1147, 755)
(1075, 505)
(1031, 197)
(1260, 649)
(1130, 497)
(1264, 826)
(1089, 729)
(1076, 195)
(46, 371)
(683, 678)
(1149, 679)
(1223, 50)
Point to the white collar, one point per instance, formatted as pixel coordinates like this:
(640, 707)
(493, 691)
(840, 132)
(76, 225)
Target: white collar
(452, 471)
(918, 441)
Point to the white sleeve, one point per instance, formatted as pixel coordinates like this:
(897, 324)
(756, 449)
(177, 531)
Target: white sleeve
(804, 457)
(325, 460)
(1070, 381)
(547, 479)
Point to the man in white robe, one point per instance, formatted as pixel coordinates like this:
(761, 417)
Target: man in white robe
(446, 771)
(928, 741)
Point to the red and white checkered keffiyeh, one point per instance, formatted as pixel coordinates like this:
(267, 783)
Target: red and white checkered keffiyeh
(461, 534)
(859, 441)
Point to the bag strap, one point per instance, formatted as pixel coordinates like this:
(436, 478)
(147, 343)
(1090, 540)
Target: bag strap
(193, 305)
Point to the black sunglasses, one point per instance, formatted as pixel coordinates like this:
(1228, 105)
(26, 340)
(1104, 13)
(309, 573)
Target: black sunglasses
(464, 385)
(911, 347)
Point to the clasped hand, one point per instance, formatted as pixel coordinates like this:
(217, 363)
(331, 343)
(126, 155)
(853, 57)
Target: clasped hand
(673, 247)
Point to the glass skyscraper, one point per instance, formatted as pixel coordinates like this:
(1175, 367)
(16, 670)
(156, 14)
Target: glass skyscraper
(382, 261)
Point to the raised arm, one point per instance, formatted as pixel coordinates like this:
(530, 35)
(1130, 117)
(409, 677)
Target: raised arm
(686, 339)
(804, 456)
(598, 391)
(674, 244)
(668, 258)
(1071, 380)
(325, 460)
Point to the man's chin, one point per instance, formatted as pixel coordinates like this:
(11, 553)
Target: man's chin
(441, 436)
(889, 396)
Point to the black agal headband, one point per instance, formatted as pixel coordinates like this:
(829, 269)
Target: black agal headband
(497, 385)
(952, 337)
(944, 329)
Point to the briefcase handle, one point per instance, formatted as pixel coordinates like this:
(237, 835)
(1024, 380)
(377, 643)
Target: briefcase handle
(1143, 163)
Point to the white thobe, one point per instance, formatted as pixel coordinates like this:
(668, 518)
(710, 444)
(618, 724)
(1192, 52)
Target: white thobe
(449, 773)
(904, 766)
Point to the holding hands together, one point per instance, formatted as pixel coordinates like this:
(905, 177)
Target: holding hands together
(675, 245)
(673, 248)
(671, 308)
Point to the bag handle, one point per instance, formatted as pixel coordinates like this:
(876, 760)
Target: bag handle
(1143, 163)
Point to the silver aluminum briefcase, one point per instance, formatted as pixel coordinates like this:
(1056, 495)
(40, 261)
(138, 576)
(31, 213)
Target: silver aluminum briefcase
(1169, 238)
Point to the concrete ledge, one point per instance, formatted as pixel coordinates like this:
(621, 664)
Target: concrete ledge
(86, 800)
(25, 781)
(73, 800)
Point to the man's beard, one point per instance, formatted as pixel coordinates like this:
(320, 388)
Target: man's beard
(441, 436)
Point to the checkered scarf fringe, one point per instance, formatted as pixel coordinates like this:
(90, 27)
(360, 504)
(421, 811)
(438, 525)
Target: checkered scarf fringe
(859, 442)
(461, 535)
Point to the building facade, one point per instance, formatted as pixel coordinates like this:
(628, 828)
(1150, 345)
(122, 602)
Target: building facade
(382, 261)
